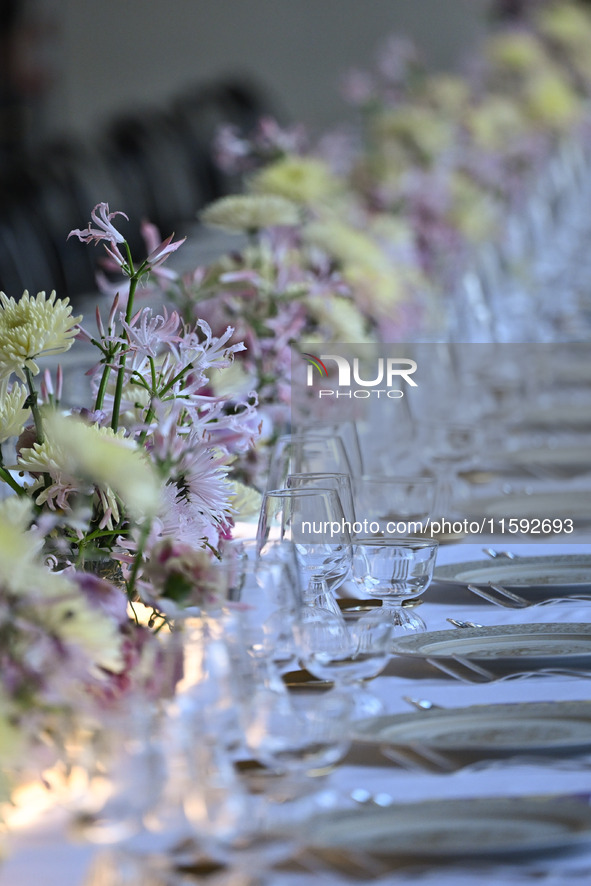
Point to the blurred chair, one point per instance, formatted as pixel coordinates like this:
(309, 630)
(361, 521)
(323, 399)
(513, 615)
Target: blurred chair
(153, 165)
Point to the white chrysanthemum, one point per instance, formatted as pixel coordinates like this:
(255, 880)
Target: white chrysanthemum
(17, 510)
(232, 380)
(83, 626)
(13, 415)
(107, 460)
(248, 212)
(346, 244)
(18, 569)
(341, 317)
(303, 180)
(245, 501)
(33, 326)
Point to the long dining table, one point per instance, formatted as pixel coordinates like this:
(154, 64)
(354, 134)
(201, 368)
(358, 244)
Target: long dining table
(41, 850)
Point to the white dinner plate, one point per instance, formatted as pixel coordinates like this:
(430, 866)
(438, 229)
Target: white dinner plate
(559, 505)
(569, 459)
(559, 416)
(561, 727)
(521, 647)
(545, 576)
(493, 827)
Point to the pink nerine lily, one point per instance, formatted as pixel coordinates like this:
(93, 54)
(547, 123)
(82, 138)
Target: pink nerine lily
(105, 230)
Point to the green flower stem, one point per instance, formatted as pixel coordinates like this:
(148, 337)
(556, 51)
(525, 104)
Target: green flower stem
(100, 394)
(9, 479)
(34, 406)
(134, 278)
(137, 559)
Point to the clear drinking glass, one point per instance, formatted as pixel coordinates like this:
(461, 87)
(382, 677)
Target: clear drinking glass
(306, 453)
(398, 506)
(349, 649)
(313, 519)
(264, 585)
(446, 447)
(327, 480)
(394, 570)
(347, 432)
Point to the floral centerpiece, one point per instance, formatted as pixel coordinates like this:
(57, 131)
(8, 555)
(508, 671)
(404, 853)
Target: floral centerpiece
(111, 503)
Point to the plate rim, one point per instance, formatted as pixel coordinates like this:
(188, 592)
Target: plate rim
(572, 819)
(525, 561)
(584, 628)
(475, 710)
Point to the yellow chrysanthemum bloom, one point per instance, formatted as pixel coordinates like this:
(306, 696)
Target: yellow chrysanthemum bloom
(245, 501)
(344, 243)
(17, 510)
(473, 210)
(517, 51)
(79, 624)
(303, 180)
(232, 380)
(107, 460)
(566, 24)
(424, 129)
(31, 327)
(447, 92)
(13, 413)
(19, 571)
(341, 317)
(250, 212)
(550, 100)
(494, 122)
(376, 291)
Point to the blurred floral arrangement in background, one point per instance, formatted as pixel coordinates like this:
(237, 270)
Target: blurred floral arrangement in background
(125, 499)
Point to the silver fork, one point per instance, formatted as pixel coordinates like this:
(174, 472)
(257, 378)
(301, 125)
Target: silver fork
(499, 555)
(501, 596)
(510, 600)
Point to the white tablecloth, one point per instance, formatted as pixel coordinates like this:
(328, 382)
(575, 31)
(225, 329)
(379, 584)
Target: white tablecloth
(42, 856)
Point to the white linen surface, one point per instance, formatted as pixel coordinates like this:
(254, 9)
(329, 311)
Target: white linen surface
(41, 854)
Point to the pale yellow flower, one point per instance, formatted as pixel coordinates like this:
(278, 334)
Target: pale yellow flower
(519, 52)
(303, 180)
(81, 625)
(566, 24)
(340, 317)
(250, 212)
(245, 501)
(19, 571)
(107, 460)
(496, 121)
(550, 100)
(32, 327)
(448, 92)
(426, 130)
(13, 414)
(232, 380)
(474, 211)
(344, 243)
(376, 290)
(17, 510)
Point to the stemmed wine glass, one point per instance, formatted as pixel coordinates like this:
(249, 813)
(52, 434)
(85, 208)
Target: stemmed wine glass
(445, 447)
(349, 649)
(347, 432)
(263, 583)
(328, 480)
(394, 570)
(306, 453)
(313, 519)
(393, 505)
